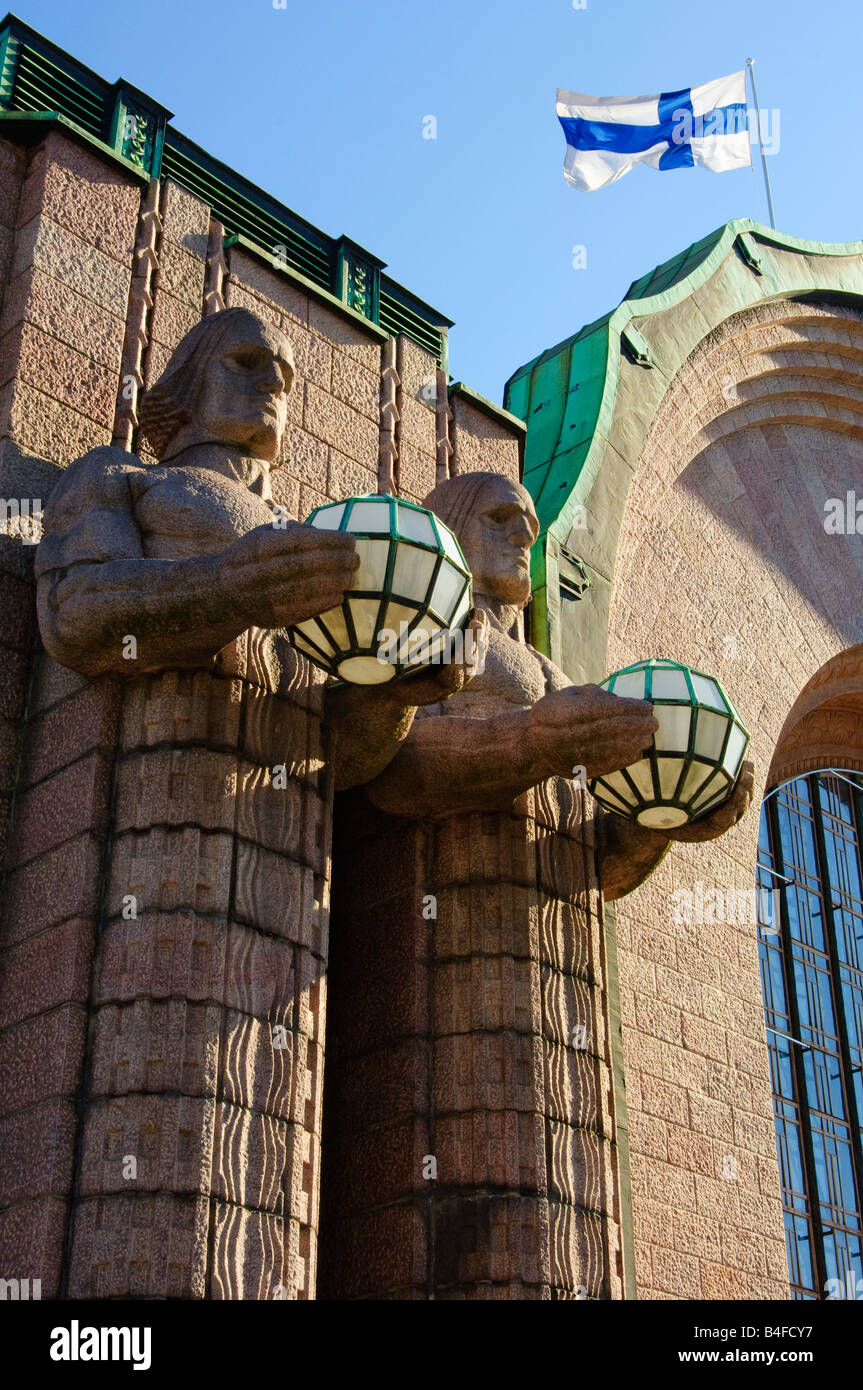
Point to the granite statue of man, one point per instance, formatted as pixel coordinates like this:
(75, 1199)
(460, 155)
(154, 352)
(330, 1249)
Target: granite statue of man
(209, 983)
(535, 723)
(499, 1016)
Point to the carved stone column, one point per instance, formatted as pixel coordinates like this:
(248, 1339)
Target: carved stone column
(469, 1141)
(199, 1164)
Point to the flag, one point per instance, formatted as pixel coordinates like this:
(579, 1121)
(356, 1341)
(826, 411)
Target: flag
(699, 126)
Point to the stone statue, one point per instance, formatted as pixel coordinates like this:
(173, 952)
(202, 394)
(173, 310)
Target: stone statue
(185, 557)
(179, 578)
(522, 720)
(488, 862)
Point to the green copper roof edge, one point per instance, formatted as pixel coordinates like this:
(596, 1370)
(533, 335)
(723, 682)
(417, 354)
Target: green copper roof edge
(338, 306)
(614, 323)
(39, 121)
(726, 236)
(498, 413)
(11, 26)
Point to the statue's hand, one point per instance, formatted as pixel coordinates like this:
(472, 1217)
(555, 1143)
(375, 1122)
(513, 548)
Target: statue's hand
(431, 684)
(585, 726)
(724, 817)
(279, 576)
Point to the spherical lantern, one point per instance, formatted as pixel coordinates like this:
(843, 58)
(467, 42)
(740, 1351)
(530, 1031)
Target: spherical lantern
(697, 750)
(411, 591)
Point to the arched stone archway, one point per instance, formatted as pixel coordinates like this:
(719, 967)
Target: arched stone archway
(824, 727)
(723, 561)
(680, 452)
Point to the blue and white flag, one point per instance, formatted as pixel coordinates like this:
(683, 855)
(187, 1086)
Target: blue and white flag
(606, 136)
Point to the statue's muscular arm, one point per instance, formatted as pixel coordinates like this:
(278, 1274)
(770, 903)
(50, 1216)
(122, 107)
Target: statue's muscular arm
(96, 586)
(451, 763)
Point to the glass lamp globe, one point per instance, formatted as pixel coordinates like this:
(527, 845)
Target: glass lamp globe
(697, 750)
(411, 591)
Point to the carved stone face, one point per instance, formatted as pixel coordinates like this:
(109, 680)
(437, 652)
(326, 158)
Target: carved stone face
(244, 392)
(496, 540)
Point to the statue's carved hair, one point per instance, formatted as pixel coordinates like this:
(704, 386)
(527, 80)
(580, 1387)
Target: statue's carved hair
(169, 404)
(455, 499)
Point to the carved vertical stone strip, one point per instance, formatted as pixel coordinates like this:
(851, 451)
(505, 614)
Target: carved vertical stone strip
(217, 269)
(443, 417)
(456, 461)
(140, 308)
(388, 456)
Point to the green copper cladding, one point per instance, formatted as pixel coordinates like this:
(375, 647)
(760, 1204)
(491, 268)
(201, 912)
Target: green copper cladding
(42, 87)
(570, 395)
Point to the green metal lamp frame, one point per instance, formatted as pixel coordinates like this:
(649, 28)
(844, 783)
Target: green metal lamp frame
(386, 594)
(656, 755)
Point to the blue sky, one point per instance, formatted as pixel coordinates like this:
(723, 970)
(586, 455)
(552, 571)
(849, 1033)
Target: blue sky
(323, 104)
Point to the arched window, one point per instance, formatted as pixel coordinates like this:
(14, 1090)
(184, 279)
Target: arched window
(810, 869)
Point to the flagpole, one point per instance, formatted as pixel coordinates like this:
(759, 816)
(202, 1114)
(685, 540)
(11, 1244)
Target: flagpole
(750, 63)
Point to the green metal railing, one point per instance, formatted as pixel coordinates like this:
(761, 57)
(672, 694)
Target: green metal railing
(40, 80)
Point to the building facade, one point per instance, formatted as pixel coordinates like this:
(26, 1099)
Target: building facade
(680, 454)
(689, 457)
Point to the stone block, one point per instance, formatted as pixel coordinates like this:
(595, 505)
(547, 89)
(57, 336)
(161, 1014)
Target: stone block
(493, 1237)
(247, 272)
(380, 1250)
(146, 1143)
(31, 1242)
(37, 1148)
(346, 335)
(9, 746)
(270, 1069)
(384, 1086)
(254, 1165)
(501, 1149)
(279, 896)
(18, 606)
(174, 787)
(42, 1058)
(486, 993)
(85, 723)
(354, 384)
(84, 194)
(347, 478)
(69, 803)
(180, 273)
(417, 424)
(576, 1087)
(382, 1165)
(249, 1259)
(313, 356)
(13, 165)
(181, 707)
(493, 918)
(14, 667)
(155, 1045)
(44, 428)
(185, 219)
(63, 314)
(337, 424)
(61, 884)
(169, 869)
(139, 1246)
(173, 317)
(74, 261)
(482, 444)
(162, 955)
(305, 458)
(46, 971)
(416, 471)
